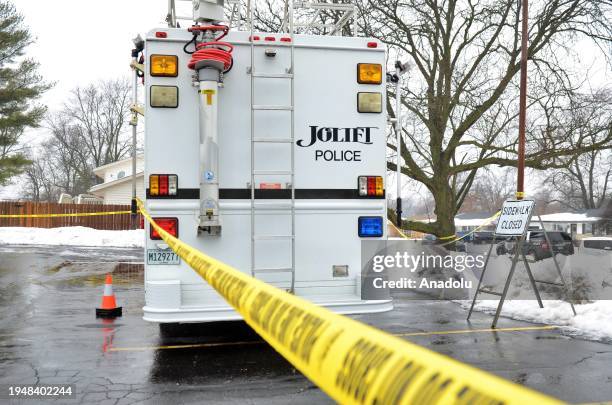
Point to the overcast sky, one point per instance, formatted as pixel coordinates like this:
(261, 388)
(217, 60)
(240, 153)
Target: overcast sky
(80, 41)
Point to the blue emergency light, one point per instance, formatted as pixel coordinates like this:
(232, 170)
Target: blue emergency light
(370, 227)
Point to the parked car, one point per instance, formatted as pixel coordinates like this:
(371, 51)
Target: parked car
(482, 237)
(429, 239)
(465, 236)
(597, 242)
(536, 246)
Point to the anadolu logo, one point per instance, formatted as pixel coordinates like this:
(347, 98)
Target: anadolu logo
(329, 135)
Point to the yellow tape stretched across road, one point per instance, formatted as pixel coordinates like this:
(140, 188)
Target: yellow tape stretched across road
(77, 214)
(485, 223)
(455, 238)
(352, 362)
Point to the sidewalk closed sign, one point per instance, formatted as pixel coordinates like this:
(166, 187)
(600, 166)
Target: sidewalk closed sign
(514, 218)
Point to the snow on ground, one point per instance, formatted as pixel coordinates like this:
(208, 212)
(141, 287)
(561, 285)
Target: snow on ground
(593, 320)
(71, 236)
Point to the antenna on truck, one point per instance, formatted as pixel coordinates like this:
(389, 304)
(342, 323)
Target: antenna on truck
(203, 11)
(308, 16)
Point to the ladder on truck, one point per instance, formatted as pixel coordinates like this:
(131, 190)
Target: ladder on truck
(289, 207)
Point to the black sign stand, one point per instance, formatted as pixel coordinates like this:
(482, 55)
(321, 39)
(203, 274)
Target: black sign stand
(519, 254)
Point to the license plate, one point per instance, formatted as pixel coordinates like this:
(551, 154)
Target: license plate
(162, 256)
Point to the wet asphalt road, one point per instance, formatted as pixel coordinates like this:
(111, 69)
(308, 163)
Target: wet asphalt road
(49, 335)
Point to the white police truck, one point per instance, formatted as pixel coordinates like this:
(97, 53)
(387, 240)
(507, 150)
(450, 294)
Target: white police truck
(267, 152)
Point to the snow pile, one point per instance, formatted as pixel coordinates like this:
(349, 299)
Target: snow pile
(593, 321)
(71, 236)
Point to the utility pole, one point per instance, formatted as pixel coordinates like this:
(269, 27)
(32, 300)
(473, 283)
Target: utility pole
(520, 181)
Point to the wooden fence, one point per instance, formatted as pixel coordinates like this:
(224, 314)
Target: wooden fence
(108, 222)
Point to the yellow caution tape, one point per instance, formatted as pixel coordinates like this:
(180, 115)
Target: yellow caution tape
(485, 223)
(80, 214)
(402, 234)
(352, 362)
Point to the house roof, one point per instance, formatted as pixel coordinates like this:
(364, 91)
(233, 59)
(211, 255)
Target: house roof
(586, 216)
(101, 169)
(475, 215)
(125, 179)
(466, 218)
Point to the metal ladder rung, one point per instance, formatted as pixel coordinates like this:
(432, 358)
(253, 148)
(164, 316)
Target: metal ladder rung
(273, 270)
(273, 237)
(490, 292)
(273, 75)
(549, 282)
(271, 172)
(274, 205)
(273, 140)
(273, 107)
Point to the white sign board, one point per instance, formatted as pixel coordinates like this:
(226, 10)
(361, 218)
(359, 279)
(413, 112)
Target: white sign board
(515, 217)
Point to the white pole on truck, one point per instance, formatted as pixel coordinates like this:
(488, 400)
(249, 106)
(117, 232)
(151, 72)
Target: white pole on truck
(209, 151)
(398, 135)
(134, 128)
(400, 69)
(139, 46)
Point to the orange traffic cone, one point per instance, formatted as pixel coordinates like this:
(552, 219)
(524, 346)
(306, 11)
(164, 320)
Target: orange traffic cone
(109, 305)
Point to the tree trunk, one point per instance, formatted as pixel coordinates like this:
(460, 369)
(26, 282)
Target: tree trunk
(445, 202)
(444, 210)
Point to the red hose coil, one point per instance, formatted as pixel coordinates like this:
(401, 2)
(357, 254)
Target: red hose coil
(212, 51)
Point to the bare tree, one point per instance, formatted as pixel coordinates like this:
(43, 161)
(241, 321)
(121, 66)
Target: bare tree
(98, 113)
(40, 184)
(585, 182)
(490, 189)
(463, 89)
(89, 131)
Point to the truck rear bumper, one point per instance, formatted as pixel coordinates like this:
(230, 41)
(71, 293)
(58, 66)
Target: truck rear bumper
(338, 304)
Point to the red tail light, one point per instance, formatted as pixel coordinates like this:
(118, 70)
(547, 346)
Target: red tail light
(163, 184)
(371, 186)
(169, 225)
